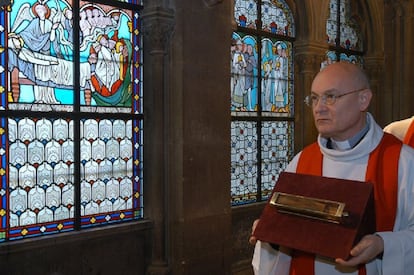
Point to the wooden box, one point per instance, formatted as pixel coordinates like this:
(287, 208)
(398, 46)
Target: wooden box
(317, 234)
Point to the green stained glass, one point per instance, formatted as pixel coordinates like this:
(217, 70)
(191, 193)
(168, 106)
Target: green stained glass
(42, 152)
(106, 54)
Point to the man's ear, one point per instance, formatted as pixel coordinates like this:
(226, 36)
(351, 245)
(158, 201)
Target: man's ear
(365, 97)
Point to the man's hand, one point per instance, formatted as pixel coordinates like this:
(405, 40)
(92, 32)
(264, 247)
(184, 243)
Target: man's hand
(252, 238)
(367, 249)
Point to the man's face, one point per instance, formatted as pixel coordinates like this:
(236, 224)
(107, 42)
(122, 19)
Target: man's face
(345, 117)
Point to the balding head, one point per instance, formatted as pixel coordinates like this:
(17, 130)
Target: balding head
(347, 76)
(344, 116)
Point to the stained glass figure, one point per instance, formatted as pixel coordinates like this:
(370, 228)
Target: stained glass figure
(244, 73)
(261, 97)
(38, 155)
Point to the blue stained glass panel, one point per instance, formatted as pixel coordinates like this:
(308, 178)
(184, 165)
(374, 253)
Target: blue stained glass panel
(277, 77)
(244, 73)
(111, 184)
(245, 13)
(40, 55)
(277, 18)
(110, 56)
(243, 162)
(277, 150)
(137, 2)
(262, 98)
(40, 177)
(37, 155)
(42, 77)
(349, 32)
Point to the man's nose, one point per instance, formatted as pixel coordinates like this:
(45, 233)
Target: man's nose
(320, 104)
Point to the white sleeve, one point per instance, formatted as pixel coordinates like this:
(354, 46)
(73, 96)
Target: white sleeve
(398, 257)
(399, 128)
(269, 261)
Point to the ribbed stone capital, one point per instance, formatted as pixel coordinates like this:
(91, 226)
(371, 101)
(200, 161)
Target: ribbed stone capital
(158, 26)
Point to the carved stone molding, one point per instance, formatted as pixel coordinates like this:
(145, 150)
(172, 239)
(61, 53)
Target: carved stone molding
(374, 66)
(211, 3)
(308, 62)
(400, 8)
(158, 27)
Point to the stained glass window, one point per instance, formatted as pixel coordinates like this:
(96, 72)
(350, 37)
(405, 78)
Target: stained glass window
(343, 34)
(261, 97)
(71, 116)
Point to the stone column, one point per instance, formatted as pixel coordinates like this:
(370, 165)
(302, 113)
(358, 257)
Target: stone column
(307, 61)
(158, 23)
(399, 57)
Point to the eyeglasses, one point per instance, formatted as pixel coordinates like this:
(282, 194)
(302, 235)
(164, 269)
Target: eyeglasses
(327, 99)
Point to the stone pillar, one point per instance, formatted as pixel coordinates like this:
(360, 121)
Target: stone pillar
(374, 67)
(399, 57)
(307, 61)
(158, 23)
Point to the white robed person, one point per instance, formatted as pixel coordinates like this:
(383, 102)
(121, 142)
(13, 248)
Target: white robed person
(351, 145)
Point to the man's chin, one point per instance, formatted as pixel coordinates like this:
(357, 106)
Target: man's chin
(324, 132)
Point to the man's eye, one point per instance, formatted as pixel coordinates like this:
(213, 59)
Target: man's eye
(314, 98)
(330, 97)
